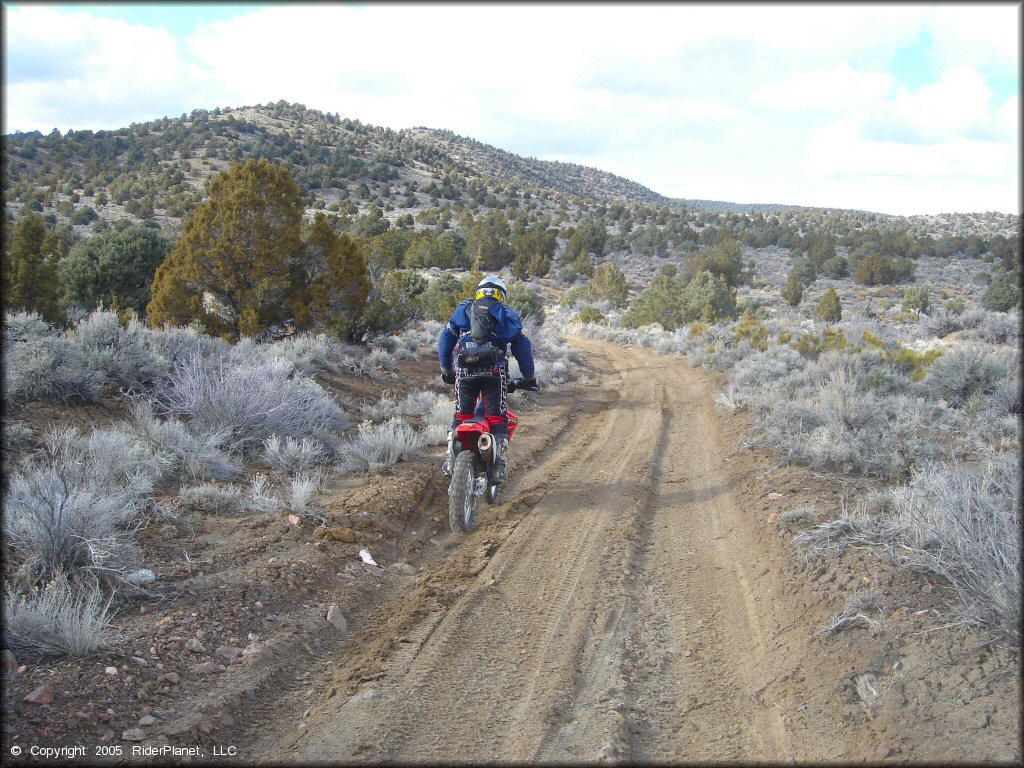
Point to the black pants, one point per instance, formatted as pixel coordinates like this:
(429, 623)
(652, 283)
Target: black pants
(492, 387)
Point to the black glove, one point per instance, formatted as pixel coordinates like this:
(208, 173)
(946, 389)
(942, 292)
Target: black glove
(530, 385)
(447, 375)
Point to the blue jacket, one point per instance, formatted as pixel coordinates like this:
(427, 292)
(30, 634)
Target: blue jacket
(508, 335)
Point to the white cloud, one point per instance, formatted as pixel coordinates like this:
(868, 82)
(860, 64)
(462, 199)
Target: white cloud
(842, 89)
(947, 109)
(976, 35)
(671, 95)
(842, 149)
(78, 69)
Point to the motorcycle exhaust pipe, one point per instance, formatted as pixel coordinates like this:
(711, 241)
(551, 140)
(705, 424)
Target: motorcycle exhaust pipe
(486, 446)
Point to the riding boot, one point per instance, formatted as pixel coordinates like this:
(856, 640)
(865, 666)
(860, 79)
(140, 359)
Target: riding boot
(454, 446)
(500, 471)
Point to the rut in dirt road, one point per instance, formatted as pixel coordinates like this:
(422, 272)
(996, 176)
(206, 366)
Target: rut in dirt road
(615, 621)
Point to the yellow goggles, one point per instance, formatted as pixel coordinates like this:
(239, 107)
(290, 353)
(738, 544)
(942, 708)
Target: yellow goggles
(490, 293)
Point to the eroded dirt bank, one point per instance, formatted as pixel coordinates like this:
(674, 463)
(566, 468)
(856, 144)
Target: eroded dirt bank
(631, 601)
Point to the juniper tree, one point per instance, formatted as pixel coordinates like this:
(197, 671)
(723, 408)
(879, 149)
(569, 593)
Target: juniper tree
(805, 271)
(708, 298)
(526, 302)
(584, 264)
(724, 258)
(334, 282)
(875, 269)
(1002, 295)
(820, 248)
(608, 282)
(231, 267)
(835, 268)
(829, 309)
(794, 290)
(438, 301)
(113, 268)
(30, 270)
(534, 249)
(589, 237)
(487, 243)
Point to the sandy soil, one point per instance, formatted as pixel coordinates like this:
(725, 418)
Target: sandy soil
(625, 605)
(631, 597)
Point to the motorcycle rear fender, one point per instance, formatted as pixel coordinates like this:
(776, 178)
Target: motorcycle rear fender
(469, 431)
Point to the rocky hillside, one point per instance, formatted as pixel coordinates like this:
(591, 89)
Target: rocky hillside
(159, 170)
(567, 178)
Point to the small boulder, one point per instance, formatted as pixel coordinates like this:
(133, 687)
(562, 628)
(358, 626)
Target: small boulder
(253, 648)
(134, 734)
(195, 646)
(41, 695)
(337, 618)
(210, 668)
(229, 652)
(142, 576)
(147, 720)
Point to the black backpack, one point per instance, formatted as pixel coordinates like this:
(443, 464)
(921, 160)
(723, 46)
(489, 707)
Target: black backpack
(474, 349)
(481, 321)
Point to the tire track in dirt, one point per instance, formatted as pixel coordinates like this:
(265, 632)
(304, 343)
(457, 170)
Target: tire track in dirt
(615, 620)
(492, 663)
(688, 660)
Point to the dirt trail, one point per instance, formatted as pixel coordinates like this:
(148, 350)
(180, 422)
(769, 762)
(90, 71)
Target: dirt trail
(616, 616)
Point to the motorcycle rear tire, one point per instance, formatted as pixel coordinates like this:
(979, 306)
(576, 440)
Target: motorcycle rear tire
(462, 500)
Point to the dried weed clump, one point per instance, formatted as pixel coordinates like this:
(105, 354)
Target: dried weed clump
(379, 446)
(249, 401)
(201, 411)
(75, 506)
(58, 619)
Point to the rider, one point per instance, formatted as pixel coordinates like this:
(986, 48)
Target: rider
(489, 328)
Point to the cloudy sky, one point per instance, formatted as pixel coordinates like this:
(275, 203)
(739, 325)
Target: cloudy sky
(902, 109)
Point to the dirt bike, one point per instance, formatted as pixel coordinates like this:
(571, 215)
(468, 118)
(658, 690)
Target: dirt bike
(474, 464)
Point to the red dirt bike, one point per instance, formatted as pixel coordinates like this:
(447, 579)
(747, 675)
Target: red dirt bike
(471, 473)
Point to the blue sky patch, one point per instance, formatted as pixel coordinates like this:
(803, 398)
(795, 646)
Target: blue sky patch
(914, 66)
(180, 19)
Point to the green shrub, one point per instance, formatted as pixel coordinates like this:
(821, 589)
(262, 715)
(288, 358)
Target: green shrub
(836, 268)
(805, 271)
(956, 306)
(829, 309)
(794, 290)
(749, 328)
(1001, 295)
(915, 299)
(590, 314)
(527, 302)
(609, 283)
(875, 269)
(708, 298)
(84, 215)
(570, 297)
(811, 344)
